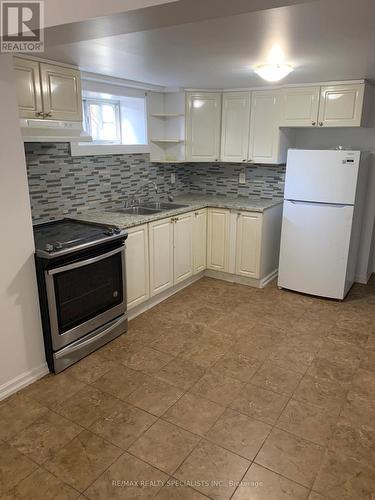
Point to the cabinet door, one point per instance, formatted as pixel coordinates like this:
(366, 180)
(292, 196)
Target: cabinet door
(299, 107)
(28, 88)
(248, 244)
(200, 241)
(161, 255)
(235, 126)
(62, 95)
(341, 105)
(264, 127)
(137, 266)
(218, 239)
(183, 247)
(203, 126)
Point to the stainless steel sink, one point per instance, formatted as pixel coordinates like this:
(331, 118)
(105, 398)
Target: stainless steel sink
(136, 211)
(162, 206)
(148, 208)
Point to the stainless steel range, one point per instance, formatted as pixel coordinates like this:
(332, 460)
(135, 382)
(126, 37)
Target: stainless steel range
(81, 275)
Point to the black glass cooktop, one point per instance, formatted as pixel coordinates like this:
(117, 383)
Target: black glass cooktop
(67, 235)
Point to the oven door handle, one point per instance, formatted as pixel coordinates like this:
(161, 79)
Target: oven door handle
(94, 337)
(86, 262)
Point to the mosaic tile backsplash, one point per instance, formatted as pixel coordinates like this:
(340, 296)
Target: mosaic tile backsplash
(61, 185)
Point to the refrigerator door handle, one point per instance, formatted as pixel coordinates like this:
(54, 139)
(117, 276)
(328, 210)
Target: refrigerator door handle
(317, 203)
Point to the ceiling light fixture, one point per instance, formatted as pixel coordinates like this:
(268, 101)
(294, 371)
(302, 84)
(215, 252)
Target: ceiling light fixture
(273, 72)
(276, 68)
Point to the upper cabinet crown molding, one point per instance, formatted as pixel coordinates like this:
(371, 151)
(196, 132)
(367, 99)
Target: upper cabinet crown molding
(203, 125)
(48, 90)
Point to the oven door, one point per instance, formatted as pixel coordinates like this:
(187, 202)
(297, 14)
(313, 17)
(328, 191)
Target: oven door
(85, 295)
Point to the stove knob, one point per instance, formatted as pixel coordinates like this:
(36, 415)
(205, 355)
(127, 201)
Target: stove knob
(109, 232)
(58, 246)
(117, 230)
(49, 247)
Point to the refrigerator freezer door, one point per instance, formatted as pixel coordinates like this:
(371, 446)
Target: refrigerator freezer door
(314, 249)
(322, 176)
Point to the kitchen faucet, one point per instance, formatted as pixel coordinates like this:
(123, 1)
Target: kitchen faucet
(143, 186)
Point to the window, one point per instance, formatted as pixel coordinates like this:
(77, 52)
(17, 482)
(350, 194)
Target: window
(102, 121)
(116, 123)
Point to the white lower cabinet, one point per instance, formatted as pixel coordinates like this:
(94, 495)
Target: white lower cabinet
(244, 243)
(200, 241)
(161, 255)
(178, 248)
(169, 251)
(137, 266)
(183, 247)
(248, 241)
(218, 239)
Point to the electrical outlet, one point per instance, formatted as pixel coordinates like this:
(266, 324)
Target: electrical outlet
(173, 178)
(242, 178)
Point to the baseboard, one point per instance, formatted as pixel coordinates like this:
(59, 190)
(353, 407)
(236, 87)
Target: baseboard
(264, 281)
(150, 303)
(23, 380)
(241, 280)
(232, 278)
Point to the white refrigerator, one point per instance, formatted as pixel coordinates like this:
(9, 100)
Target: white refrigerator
(321, 225)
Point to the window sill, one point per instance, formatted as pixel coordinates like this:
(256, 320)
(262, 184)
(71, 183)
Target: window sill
(82, 149)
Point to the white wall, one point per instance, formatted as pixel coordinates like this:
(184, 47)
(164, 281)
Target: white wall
(362, 139)
(21, 345)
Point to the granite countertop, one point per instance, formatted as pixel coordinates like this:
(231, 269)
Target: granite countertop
(193, 202)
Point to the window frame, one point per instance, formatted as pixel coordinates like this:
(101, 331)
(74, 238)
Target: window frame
(86, 101)
(97, 91)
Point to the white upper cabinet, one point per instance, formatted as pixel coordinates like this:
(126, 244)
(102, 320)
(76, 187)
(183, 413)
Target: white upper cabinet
(62, 95)
(235, 126)
(300, 107)
(48, 91)
(203, 122)
(341, 105)
(266, 144)
(346, 105)
(200, 241)
(28, 88)
(137, 266)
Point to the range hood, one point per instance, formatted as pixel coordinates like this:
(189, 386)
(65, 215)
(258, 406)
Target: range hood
(34, 130)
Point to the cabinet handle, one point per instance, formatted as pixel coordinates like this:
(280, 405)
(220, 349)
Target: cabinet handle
(48, 115)
(320, 124)
(244, 160)
(313, 124)
(39, 113)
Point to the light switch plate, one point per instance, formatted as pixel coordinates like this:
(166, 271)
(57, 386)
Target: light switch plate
(173, 178)
(242, 178)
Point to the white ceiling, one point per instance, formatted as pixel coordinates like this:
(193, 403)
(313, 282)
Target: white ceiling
(325, 40)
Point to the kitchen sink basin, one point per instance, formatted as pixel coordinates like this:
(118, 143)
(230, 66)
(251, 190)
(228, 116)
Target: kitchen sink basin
(137, 211)
(162, 206)
(148, 208)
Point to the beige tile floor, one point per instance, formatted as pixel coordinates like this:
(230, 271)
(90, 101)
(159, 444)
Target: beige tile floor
(222, 391)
